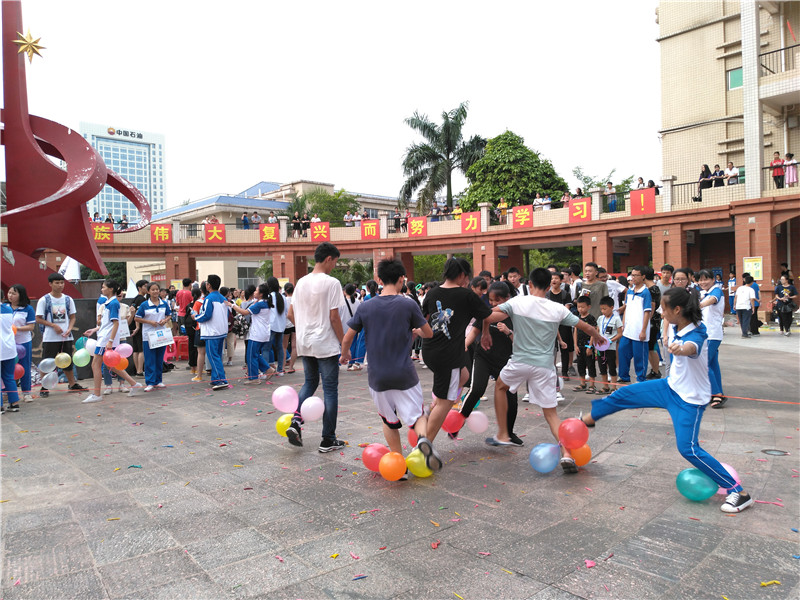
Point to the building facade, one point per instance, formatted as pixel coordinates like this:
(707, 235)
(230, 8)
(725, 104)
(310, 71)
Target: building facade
(136, 155)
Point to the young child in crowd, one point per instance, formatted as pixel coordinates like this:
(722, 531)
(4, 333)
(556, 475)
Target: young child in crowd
(610, 327)
(584, 349)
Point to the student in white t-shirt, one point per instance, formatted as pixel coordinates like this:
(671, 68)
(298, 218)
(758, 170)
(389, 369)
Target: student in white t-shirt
(684, 394)
(712, 303)
(610, 327)
(745, 304)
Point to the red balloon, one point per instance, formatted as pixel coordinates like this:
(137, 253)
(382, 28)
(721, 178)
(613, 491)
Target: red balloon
(19, 371)
(453, 422)
(413, 438)
(392, 466)
(371, 456)
(573, 433)
(111, 358)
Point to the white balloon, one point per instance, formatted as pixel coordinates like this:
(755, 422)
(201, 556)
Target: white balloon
(48, 365)
(90, 345)
(312, 409)
(50, 381)
(477, 422)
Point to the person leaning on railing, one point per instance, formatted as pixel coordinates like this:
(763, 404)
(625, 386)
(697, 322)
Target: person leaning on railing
(732, 174)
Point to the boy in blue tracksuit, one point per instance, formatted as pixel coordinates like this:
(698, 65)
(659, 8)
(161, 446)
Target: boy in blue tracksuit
(213, 320)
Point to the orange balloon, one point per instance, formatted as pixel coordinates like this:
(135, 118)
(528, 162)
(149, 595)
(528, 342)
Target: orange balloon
(14, 329)
(582, 455)
(122, 364)
(392, 466)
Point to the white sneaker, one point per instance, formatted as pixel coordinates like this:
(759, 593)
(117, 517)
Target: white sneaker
(92, 398)
(107, 391)
(526, 398)
(123, 388)
(27, 398)
(559, 396)
(149, 388)
(136, 389)
(160, 386)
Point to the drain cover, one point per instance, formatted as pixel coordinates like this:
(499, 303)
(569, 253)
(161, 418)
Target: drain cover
(774, 452)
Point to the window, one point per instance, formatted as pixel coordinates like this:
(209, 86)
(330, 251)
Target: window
(735, 78)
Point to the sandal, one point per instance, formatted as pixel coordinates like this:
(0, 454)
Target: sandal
(718, 401)
(291, 370)
(580, 388)
(592, 390)
(605, 390)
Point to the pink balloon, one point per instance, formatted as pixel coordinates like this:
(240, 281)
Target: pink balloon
(125, 350)
(732, 472)
(312, 409)
(285, 399)
(602, 347)
(453, 422)
(372, 455)
(478, 422)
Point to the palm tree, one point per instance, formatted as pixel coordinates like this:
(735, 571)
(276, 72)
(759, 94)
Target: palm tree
(430, 165)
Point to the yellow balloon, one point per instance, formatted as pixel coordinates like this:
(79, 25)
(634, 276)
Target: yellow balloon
(415, 462)
(283, 423)
(63, 360)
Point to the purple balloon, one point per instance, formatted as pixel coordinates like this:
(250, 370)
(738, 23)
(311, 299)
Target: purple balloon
(21, 351)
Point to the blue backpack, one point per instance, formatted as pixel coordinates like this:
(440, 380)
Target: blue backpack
(48, 309)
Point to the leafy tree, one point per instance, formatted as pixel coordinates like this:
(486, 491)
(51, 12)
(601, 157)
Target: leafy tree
(329, 207)
(429, 166)
(429, 267)
(355, 272)
(509, 169)
(116, 270)
(264, 271)
(590, 181)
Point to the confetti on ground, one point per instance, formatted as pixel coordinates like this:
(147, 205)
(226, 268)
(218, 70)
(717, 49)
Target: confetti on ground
(694, 518)
(507, 571)
(485, 553)
(382, 548)
(335, 555)
(238, 466)
(135, 466)
(457, 596)
(359, 577)
(113, 519)
(794, 529)
(25, 446)
(773, 582)
(766, 502)
(589, 563)
(435, 524)
(117, 469)
(588, 489)
(17, 581)
(435, 544)
(354, 556)
(279, 558)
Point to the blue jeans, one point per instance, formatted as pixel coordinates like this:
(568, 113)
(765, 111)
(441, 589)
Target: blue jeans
(328, 368)
(685, 420)
(255, 359)
(153, 363)
(714, 374)
(276, 345)
(637, 350)
(214, 348)
(9, 385)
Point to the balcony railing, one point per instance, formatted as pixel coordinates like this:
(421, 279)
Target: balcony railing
(779, 61)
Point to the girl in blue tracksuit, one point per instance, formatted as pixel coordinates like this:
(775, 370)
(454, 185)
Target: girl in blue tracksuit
(213, 321)
(8, 352)
(153, 314)
(24, 321)
(261, 313)
(684, 394)
(712, 304)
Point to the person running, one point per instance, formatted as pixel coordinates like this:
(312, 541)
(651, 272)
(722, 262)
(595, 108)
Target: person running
(389, 323)
(153, 314)
(24, 320)
(489, 363)
(536, 321)
(684, 394)
(260, 313)
(315, 314)
(108, 336)
(449, 308)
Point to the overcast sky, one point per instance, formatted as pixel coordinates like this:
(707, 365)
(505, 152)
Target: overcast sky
(278, 91)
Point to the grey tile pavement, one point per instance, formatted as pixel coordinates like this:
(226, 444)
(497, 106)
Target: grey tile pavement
(222, 507)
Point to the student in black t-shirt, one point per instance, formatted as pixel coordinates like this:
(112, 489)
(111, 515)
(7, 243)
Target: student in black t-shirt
(449, 309)
(585, 355)
(489, 363)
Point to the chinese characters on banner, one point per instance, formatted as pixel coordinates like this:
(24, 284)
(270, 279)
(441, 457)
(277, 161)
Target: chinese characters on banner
(161, 234)
(580, 209)
(643, 202)
(471, 222)
(370, 230)
(417, 227)
(522, 217)
(321, 232)
(102, 233)
(268, 232)
(215, 234)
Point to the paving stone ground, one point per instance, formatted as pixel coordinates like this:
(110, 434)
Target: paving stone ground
(189, 493)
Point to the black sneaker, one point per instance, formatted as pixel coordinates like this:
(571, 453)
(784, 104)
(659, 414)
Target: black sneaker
(329, 445)
(653, 375)
(13, 408)
(515, 439)
(43, 393)
(220, 386)
(737, 502)
(293, 433)
(77, 387)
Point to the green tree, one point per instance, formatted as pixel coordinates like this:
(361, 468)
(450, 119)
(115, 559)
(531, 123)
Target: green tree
(589, 182)
(428, 167)
(116, 270)
(509, 169)
(329, 207)
(355, 272)
(429, 267)
(264, 271)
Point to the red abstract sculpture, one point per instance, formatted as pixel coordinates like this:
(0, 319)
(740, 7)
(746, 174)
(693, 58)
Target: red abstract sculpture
(47, 205)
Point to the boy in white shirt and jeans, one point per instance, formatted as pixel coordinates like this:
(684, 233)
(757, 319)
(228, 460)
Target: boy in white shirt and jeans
(745, 304)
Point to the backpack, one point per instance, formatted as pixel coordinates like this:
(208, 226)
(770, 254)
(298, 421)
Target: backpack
(48, 309)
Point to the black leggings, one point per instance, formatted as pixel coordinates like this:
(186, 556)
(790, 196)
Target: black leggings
(481, 371)
(785, 319)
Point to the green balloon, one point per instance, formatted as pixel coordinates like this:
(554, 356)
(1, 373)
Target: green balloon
(80, 344)
(81, 358)
(695, 485)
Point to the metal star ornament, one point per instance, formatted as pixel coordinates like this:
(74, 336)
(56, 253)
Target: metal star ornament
(28, 45)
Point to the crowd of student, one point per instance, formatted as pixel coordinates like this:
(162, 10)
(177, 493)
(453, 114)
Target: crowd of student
(466, 330)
